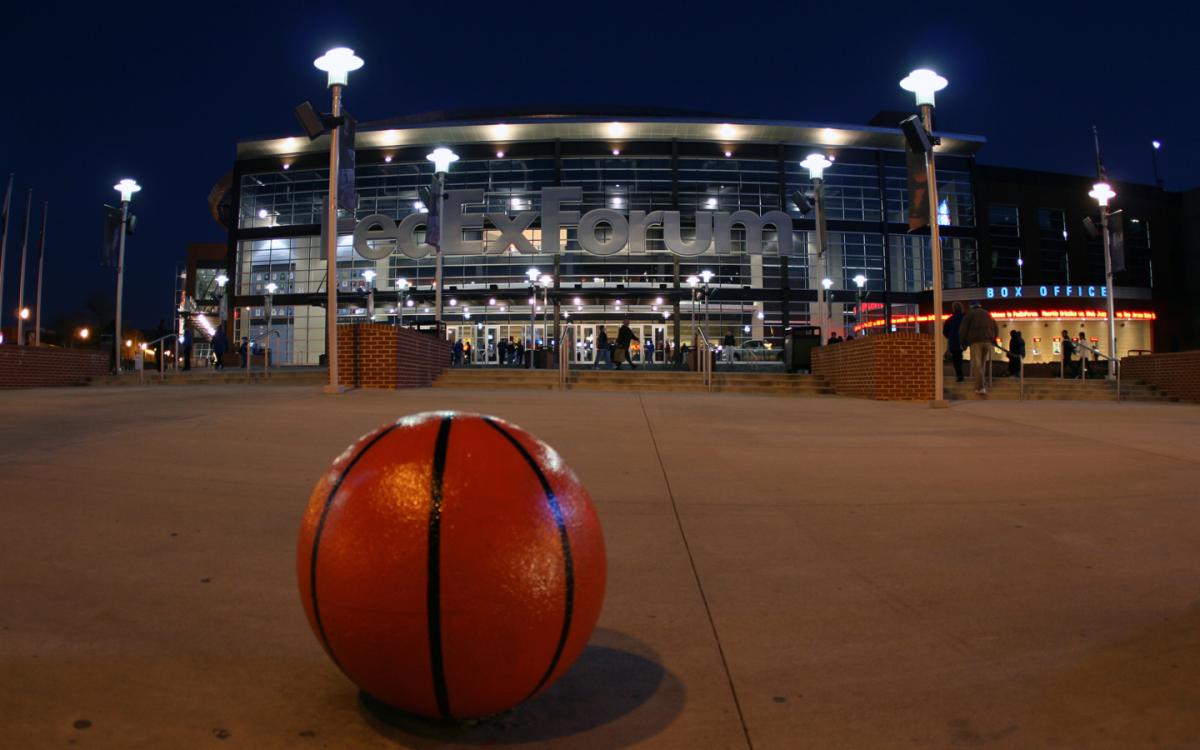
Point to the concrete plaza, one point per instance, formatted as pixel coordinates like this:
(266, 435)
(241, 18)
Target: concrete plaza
(783, 572)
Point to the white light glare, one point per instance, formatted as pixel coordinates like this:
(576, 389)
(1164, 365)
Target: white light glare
(127, 188)
(442, 158)
(816, 164)
(827, 283)
(338, 62)
(924, 83)
(1102, 192)
(860, 280)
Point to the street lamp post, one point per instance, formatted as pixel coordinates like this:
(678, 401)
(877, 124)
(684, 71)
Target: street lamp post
(337, 63)
(402, 289)
(442, 158)
(126, 188)
(370, 275)
(1103, 193)
(706, 276)
(693, 282)
(546, 281)
(271, 288)
(827, 305)
(924, 84)
(1154, 147)
(816, 164)
(860, 281)
(532, 274)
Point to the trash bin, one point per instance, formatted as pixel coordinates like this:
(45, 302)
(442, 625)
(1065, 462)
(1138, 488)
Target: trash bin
(798, 344)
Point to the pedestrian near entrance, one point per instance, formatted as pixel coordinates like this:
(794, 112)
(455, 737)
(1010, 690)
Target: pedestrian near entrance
(602, 353)
(1068, 368)
(648, 351)
(220, 345)
(625, 336)
(1016, 353)
(1085, 347)
(978, 331)
(953, 342)
(456, 353)
(243, 351)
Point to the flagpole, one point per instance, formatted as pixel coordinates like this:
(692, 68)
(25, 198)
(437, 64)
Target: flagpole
(21, 279)
(4, 250)
(37, 317)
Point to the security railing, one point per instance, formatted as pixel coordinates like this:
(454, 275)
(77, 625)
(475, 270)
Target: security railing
(162, 367)
(566, 346)
(704, 357)
(1020, 372)
(266, 351)
(1103, 356)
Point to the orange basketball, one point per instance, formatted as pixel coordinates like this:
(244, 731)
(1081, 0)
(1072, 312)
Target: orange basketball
(451, 565)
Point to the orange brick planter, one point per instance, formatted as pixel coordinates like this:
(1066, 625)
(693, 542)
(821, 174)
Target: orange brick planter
(43, 366)
(889, 367)
(1176, 374)
(378, 355)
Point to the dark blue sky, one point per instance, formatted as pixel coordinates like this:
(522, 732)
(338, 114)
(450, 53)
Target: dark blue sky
(162, 91)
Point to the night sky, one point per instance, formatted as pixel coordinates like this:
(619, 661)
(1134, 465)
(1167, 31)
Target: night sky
(162, 91)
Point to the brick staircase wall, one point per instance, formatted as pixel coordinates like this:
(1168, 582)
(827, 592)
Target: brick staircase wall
(889, 367)
(46, 366)
(379, 355)
(1176, 374)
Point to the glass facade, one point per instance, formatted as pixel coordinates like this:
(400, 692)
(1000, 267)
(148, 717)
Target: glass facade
(751, 296)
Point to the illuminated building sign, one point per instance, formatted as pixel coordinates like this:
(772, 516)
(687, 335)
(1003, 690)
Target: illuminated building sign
(1022, 315)
(603, 231)
(1052, 290)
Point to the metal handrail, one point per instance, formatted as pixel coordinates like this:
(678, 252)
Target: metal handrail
(266, 354)
(1101, 355)
(566, 347)
(704, 363)
(162, 372)
(1020, 372)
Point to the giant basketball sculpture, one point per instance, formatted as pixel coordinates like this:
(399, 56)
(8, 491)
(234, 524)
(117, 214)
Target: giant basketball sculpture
(451, 565)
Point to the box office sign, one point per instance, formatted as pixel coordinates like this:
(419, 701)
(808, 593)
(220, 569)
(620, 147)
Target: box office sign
(600, 232)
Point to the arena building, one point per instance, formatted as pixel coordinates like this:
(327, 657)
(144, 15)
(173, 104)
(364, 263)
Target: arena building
(671, 221)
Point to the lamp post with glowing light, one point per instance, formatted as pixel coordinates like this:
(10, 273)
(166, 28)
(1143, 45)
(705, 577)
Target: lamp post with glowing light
(442, 158)
(816, 164)
(827, 305)
(860, 281)
(1103, 193)
(126, 188)
(270, 300)
(337, 63)
(401, 299)
(1154, 147)
(924, 84)
(705, 277)
(369, 275)
(532, 274)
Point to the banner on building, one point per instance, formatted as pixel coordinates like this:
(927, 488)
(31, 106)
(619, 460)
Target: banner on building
(347, 197)
(1116, 238)
(112, 236)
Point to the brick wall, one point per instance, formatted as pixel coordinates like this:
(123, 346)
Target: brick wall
(379, 355)
(1177, 374)
(43, 366)
(891, 367)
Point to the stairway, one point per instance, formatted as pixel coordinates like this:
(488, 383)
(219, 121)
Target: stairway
(1054, 388)
(774, 384)
(278, 376)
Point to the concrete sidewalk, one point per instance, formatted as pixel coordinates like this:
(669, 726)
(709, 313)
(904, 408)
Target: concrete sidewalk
(783, 573)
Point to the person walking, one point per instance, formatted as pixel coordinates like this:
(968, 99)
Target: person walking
(1085, 347)
(1067, 350)
(602, 353)
(1016, 353)
(456, 353)
(648, 352)
(243, 352)
(978, 331)
(953, 342)
(220, 345)
(625, 336)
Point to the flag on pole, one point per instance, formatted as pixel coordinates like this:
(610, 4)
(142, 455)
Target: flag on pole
(1116, 244)
(347, 197)
(112, 235)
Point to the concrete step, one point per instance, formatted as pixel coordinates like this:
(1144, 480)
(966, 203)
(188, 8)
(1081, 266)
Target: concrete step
(276, 377)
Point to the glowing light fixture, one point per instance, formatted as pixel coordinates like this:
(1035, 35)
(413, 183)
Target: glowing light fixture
(1102, 192)
(924, 83)
(827, 283)
(127, 188)
(860, 280)
(442, 158)
(337, 63)
(816, 164)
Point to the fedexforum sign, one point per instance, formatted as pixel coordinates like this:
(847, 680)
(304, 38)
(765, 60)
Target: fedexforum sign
(600, 232)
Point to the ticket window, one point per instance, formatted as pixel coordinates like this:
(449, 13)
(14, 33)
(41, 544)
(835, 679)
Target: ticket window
(1037, 346)
(1057, 347)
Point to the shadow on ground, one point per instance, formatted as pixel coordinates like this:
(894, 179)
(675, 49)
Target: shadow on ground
(616, 678)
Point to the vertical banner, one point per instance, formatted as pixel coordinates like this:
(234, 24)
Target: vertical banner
(1116, 245)
(112, 234)
(918, 191)
(347, 195)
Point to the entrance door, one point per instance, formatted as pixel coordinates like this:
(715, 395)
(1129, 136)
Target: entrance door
(585, 343)
(490, 353)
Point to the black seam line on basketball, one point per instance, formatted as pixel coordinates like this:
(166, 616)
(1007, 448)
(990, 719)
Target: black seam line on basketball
(433, 596)
(696, 575)
(312, 570)
(564, 539)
